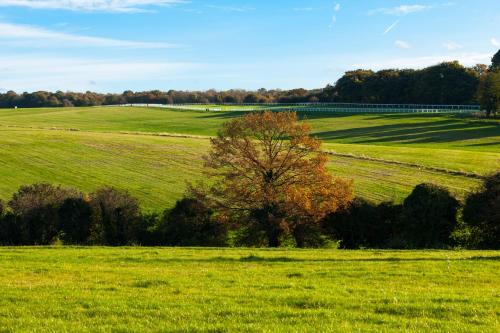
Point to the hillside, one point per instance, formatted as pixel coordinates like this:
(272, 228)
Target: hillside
(153, 153)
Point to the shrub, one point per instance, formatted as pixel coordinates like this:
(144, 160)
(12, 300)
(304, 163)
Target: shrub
(116, 216)
(364, 224)
(75, 216)
(482, 214)
(192, 223)
(429, 217)
(149, 233)
(10, 230)
(35, 209)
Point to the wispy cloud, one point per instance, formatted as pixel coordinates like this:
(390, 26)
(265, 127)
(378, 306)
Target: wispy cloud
(240, 9)
(118, 6)
(452, 45)
(392, 26)
(401, 44)
(400, 10)
(336, 9)
(38, 72)
(26, 35)
(494, 41)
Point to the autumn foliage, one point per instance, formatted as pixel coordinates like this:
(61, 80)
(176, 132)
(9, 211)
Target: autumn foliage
(269, 170)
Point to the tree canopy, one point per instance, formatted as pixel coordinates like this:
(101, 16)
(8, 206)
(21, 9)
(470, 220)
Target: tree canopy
(268, 170)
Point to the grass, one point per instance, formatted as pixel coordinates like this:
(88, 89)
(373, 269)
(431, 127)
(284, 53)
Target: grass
(64, 289)
(444, 131)
(156, 169)
(386, 154)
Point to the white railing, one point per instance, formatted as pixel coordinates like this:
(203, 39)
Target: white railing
(319, 107)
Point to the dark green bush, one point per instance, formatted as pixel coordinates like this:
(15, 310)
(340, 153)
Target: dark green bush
(192, 223)
(364, 224)
(429, 217)
(116, 216)
(75, 221)
(149, 230)
(482, 214)
(35, 209)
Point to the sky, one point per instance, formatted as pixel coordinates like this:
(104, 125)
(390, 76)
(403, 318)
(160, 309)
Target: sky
(117, 45)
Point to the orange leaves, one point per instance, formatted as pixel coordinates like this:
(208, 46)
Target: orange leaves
(269, 159)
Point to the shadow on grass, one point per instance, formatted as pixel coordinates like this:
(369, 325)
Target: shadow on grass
(443, 131)
(259, 259)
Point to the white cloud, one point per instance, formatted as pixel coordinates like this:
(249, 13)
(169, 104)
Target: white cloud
(336, 7)
(402, 44)
(452, 46)
(392, 26)
(119, 6)
(333, 21)
(494, 41)
(26, 35)
(34, 72)
(400, 10)
(466, 59)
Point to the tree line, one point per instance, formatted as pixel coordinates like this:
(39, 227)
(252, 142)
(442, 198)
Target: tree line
(430, 217)
(445, 83)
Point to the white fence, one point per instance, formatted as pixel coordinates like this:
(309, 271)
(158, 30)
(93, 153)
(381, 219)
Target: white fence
(322, 107)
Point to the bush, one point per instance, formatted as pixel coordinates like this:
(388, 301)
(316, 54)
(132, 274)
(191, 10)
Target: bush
(192, 223)
(429, 217)
(116, 216)
(482, 214)
(10, 231)
(364, 224)
(75, 216)
(35, 209)
(149, 233)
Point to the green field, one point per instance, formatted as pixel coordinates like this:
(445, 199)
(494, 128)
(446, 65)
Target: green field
(63, 289)
(154, 152)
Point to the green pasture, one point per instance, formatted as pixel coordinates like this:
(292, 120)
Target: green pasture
(446, 131)
(155, 152)
(65, 289)
(156, 169)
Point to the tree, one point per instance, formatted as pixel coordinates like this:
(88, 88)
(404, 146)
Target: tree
(495, 61)
(482, 213)
(116, 215)
(35, 208)
(75, 216)
(489, 91)
(429, 217)
(192, 223)
(364, 224)
(269, 170)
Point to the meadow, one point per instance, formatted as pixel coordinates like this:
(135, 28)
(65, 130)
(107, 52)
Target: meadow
(154, 152)
(76, 289)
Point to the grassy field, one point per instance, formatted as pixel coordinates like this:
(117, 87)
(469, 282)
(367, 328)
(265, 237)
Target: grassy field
(133, 148)
(247, 290)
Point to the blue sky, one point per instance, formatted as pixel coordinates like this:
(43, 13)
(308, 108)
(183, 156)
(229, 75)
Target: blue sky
(115, 45)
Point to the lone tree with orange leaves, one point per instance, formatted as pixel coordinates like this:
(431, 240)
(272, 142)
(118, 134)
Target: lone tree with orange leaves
(268, 170)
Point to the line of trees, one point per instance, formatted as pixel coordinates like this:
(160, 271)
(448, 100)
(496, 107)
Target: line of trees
(445, 83)
(430, 217)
